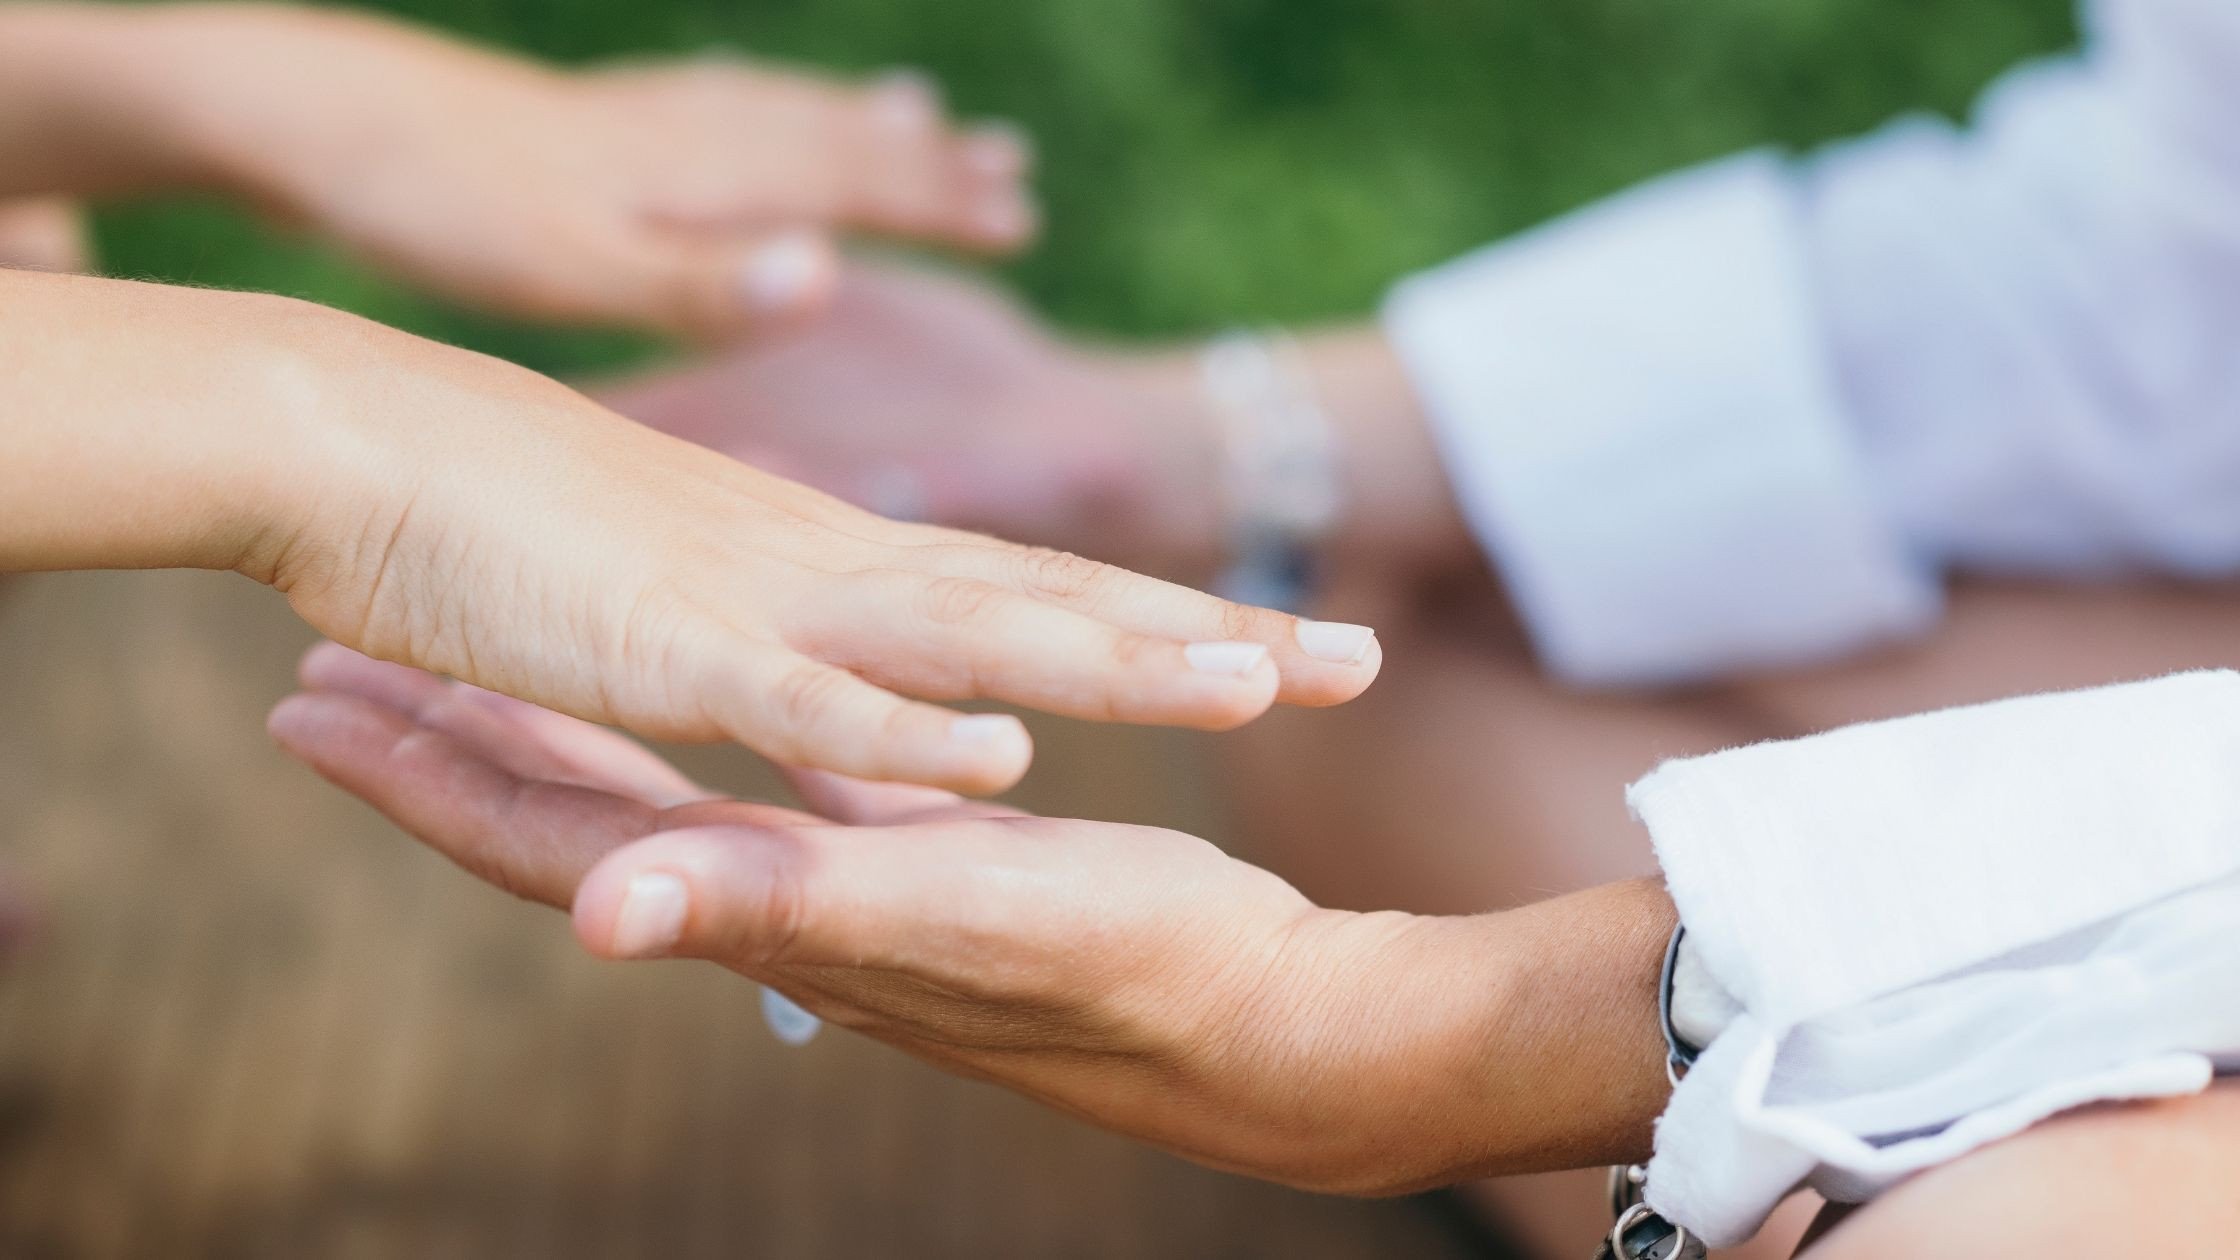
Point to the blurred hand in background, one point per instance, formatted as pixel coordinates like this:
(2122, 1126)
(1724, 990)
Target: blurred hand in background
(933, 396)
(694, 197)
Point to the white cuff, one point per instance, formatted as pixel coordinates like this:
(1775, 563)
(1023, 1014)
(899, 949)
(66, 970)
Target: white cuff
(1638, 418)
(1943, 929)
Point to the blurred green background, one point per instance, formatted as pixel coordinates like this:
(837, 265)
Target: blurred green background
(1206, 161)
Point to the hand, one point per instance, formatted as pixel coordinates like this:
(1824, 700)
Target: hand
(1135, 977)
(530, 541)
(933, 396)
(451, 511)
(689, 196)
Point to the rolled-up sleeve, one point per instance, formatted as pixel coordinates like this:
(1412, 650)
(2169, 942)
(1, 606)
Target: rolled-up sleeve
(1642, 427)
(1748, 415)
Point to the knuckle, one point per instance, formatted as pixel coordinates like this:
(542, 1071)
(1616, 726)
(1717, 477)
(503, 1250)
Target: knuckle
(1130, 651)
(1061, 574)
(782, 916)
(954, 601)
(806, 695)
(1241, 621)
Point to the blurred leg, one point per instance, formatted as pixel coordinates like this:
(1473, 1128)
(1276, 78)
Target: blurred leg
(1464, 781)
(2145, 1179)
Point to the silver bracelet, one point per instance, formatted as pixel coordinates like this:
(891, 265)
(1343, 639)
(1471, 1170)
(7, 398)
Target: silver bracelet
(1281, 491)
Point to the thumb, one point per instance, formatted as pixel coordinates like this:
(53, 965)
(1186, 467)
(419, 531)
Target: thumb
(898, 898)
(716, 290)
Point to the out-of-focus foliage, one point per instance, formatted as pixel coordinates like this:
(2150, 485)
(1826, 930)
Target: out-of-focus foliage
(1206, 161)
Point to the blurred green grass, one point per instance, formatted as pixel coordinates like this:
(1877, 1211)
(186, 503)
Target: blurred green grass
(1208, 161)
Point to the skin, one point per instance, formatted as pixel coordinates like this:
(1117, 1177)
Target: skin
(1144, 982)
(932, 394)
(1135, 977)
(696, 197)
(438, 507)
(1464, 730)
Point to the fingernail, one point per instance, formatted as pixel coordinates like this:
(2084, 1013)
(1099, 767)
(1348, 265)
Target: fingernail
(998, 149)
(779, 275)
(906, 99)
(1335, 641)
(1236, 659)
(652, 916)
(985, 728)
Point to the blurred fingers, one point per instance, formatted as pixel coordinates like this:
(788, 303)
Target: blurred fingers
(904, 171)
(527, 740)
(535, 839)
(715, 289)
(863, 803)
(44, 234)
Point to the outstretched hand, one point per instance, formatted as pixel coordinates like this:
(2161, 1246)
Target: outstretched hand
(934, 397)
(695, 196)
(1136, 977)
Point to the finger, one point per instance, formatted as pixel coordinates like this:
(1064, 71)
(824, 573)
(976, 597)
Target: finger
(797, 711)
(905, 172)
(1317, 662)
(959, 636)
(754, 898)
(332, 667)
(863, 803)
(533, 839)
(719, 288)
(44, 234)
(527, 740)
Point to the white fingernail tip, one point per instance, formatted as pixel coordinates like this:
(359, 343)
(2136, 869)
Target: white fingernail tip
(781, 274)
(1232, 659)
(651, 918)
(986, 728)
(788, 1022)
(1335, 641)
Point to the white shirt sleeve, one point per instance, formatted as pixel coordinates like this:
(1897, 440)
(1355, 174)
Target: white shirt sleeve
(1746, 415)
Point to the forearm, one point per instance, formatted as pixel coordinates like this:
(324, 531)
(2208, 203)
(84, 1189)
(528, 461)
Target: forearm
(144, 426)
(92, 101)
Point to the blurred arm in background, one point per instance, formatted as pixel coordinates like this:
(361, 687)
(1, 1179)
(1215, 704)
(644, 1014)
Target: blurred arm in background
(1740, 418)
(694, 197)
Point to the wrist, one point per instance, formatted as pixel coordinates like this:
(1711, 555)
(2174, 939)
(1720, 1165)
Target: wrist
(1397, 505)
(153, 427)
(1526, 1040)
(103, 98)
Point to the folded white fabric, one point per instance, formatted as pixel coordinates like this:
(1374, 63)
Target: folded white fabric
(1942, 929)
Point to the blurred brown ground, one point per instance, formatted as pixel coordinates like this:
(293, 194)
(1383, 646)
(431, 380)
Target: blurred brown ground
(256, 1021)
